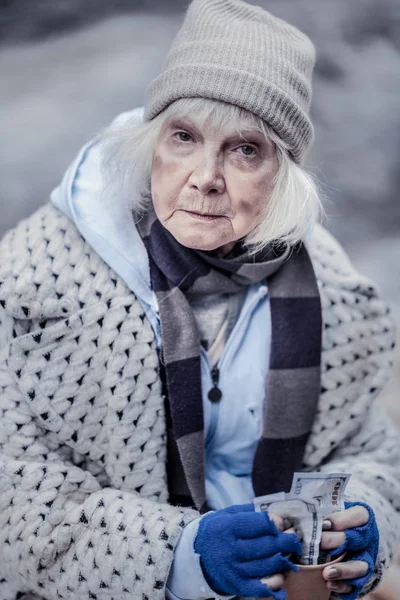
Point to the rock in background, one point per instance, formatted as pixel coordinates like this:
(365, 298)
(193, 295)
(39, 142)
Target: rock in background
(67, 67)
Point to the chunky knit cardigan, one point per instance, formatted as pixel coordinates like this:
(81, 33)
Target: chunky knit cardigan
(83, 503)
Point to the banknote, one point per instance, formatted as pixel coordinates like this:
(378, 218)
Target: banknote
(313, 497)
(262, 503)
(327, 489)
(303, 516)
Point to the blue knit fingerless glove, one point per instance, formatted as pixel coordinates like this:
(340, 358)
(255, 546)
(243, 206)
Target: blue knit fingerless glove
(238, 546)
(362, 543)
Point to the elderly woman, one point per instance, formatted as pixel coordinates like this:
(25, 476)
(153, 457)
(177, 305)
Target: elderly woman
(179, 335)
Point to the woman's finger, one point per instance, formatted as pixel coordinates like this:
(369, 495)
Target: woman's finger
(274, 583)
(298, 532)
(279, 521)
(352, 569)
(273, 565)
(267, 545)
(356, 516)
(261, 547)
(330, 540)
(289, 543)
(250, 525)
(339, 587)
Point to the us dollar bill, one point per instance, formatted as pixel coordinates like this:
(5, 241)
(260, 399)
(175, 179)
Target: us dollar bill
(327, 489)
(303, 516)
(312, 498)
(262, 503)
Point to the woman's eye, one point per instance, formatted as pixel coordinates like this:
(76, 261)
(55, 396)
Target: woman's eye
(247, 150)
(183, 136)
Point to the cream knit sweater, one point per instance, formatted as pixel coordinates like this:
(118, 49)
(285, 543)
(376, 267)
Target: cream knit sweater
(83, 503)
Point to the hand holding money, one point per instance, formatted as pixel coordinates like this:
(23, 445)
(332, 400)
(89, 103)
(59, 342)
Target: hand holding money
(238, 547)
(313, 496)
(347, 527)
(356, 516)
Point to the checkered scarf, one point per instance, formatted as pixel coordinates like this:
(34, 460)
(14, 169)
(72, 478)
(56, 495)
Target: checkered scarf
(293, 382)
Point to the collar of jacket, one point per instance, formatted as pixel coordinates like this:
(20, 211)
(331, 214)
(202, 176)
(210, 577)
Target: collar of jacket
(84, 199)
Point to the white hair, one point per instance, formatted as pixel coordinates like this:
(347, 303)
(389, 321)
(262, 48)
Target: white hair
(291, 210)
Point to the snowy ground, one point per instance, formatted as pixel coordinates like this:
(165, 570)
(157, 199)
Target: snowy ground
(56, 93)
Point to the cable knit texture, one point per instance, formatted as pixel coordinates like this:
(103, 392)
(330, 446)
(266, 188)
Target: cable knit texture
(83, 508)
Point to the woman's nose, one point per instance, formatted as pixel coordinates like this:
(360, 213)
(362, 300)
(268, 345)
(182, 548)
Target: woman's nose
(208, 177)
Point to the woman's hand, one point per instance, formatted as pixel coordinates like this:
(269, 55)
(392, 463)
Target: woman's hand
(238, 547)
(355, 532)
(276, 581)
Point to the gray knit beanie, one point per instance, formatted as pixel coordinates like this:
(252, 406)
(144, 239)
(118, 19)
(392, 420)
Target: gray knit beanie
(231, 51)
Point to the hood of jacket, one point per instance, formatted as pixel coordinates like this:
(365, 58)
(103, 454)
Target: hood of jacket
(103, 222)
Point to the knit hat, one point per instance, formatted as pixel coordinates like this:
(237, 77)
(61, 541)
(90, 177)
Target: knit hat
(231, 51)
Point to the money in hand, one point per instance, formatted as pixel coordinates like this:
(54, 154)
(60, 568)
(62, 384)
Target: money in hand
(313, 497)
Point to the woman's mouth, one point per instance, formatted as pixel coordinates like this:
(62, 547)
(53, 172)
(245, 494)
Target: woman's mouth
(202, 216)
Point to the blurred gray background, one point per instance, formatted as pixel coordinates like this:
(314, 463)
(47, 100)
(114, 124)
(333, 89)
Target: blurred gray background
(67, 67)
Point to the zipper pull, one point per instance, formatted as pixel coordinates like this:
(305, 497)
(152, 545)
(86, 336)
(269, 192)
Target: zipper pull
(215, 394)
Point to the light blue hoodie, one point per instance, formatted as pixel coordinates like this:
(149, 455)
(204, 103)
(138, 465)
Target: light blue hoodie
(232, 426)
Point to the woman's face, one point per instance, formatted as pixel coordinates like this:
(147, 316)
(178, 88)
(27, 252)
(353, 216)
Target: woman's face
(210, 186)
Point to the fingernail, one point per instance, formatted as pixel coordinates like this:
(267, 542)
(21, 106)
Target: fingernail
(332, 573)
(327, 524)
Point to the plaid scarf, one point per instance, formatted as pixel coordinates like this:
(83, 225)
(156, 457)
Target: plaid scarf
(293, 383)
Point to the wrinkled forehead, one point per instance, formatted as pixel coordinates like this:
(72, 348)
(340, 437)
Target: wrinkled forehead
(214, 116)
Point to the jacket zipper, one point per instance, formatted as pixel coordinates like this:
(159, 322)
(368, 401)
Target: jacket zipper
(215, 372)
